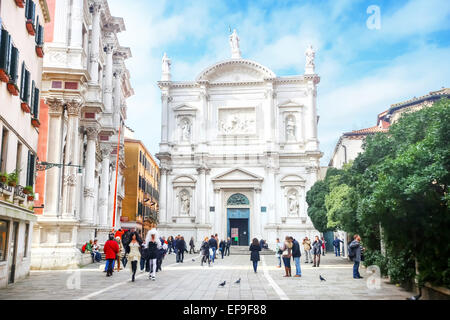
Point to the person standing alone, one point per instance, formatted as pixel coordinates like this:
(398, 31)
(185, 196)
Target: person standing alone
(227, 246)
(287, 254)
(111, 250)
(354, 253)
(192, 245)
(212, 248)
(307, 249)
(337, 246)
(133, 251)
(255, 248)
(152, 251)
(317, 247)
(296, 254)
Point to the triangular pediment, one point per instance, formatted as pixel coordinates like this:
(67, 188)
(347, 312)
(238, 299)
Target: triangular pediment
(290, 104)
(237, 174)
(184, 107)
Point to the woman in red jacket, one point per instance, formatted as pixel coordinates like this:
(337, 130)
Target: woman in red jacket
(111, 249)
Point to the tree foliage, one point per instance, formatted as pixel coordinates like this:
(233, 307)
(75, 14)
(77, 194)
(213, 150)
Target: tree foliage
(400, 183)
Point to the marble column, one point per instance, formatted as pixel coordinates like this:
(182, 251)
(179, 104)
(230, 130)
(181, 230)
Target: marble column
(117, 98)
(95, 43)
(162, 196)
(89, 183)
(72, 152)
(271, 195)
(164, 116)
(256, 233)
(76, 30)
(311, 136)
(203, 123)
(201, 194)
(205, 195)
(60, 22)
(53, 175)
(104, 187)
(108, 90)
(217, 214)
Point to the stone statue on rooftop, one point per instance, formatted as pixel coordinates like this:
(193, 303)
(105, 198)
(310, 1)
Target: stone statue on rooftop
(234, 44)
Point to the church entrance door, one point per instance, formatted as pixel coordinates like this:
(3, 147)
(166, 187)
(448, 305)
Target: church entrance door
(238, 226)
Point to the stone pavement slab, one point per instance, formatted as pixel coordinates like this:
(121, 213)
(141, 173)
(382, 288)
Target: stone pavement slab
(190, 281)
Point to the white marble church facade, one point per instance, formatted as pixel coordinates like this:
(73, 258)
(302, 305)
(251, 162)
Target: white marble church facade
(239, 151)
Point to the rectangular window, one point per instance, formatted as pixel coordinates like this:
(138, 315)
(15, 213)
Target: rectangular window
(30, 11)
(4, 150)
(4, 232)
(25, 84)
(27, 231)
(33, 86)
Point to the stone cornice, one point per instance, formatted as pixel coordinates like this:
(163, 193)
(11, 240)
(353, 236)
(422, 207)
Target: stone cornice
(45, 11)
(240, 62)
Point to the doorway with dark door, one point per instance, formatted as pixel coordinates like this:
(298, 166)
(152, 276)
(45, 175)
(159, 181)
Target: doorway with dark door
(13, 253)
(239, 232)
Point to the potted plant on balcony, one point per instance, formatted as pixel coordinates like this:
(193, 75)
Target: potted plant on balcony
(20, 3)
(3, 177)
(13, 178)
(35, 122)
(28, 190)
(25, 107)
(30, 196)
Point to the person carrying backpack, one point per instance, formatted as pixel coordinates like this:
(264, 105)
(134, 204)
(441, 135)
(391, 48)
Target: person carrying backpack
(354, 253)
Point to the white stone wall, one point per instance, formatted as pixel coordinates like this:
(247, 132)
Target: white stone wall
(238, 142)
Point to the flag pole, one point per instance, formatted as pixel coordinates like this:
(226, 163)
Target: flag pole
(115, 187)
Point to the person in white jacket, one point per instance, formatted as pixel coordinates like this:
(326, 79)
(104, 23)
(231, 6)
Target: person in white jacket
(152, 245)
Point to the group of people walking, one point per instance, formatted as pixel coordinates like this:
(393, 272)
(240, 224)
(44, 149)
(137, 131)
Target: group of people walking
(210, 247)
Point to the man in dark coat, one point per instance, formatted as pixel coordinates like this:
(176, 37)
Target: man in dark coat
(212, 247)
(355, 248)
(296, 254)
(227, 247)
(181, 247)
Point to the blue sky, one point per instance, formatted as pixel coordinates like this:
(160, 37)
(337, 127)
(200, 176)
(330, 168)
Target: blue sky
(363, 71)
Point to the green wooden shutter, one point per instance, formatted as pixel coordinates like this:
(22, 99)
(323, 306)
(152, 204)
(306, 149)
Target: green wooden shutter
(13, 73)
(30, 168)
(41, 36)
(5, 51)
(32, 97)
(27, 86)
(36, 103)
(22, 82)
(36, 37)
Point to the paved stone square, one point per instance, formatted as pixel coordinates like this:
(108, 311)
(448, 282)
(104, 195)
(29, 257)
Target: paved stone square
(190, 281)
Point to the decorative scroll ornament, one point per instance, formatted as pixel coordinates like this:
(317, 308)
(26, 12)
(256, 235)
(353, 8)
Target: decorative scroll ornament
(237, 199)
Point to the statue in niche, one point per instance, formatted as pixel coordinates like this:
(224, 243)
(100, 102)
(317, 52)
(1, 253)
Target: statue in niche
(186, 129)
(290, 128)
(185, 202)
(293, 203)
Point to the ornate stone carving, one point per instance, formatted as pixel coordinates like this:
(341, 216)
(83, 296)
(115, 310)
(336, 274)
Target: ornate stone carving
(55, 106)
(88, 192)
(237, 199)
(309, 64)
(293, 203)
(105, 151)
(70, 180)
(185, 126)
(234, 44)
(237, 121)
(102, 202)
(74, 108)
(290, 128)
(185, 202)
(92, 133)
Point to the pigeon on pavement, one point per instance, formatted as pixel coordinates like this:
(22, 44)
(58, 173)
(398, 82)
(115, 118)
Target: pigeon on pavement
(322, 278)
(238, 281)
(222, 284)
